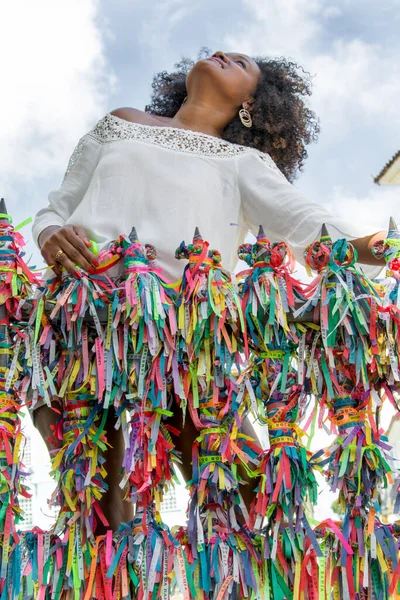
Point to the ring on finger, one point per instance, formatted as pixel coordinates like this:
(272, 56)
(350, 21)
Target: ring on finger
(59, 255)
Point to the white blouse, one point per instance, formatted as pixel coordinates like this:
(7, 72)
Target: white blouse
(166, 181)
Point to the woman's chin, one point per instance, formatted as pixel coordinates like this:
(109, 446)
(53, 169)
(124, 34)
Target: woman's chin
(206, 68)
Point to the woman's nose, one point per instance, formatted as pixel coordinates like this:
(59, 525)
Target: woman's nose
(221, 55)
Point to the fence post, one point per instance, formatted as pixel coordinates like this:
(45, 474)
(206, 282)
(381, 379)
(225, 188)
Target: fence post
(3, 311)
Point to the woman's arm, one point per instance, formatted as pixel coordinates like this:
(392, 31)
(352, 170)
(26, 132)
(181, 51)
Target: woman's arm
(50, 232)
(46, 233)
(267, 198)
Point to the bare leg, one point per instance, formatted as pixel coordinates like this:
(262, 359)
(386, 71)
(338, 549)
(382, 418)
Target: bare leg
(247, 491)
(115, 508)
(43, 419)
(184, 442)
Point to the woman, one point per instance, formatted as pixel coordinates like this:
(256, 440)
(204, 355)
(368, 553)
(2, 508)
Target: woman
(219, 144)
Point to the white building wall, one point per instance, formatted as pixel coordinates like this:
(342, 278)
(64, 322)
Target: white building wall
(36, 459)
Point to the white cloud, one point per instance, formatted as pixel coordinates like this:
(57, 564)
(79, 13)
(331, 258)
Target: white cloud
(276, 28)
(332, 12)
(369, 212)
(353, 81)
(55, 82)
(156, 30)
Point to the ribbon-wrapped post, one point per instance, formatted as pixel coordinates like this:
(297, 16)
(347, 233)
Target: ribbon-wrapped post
(220, 551)
(16, 285)
(268, 290)
(347, 302)
(280, 380)
(149, 331)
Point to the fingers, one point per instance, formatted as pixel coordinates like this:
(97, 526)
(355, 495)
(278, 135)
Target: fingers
(68, 265)
(79, 252)
(73, 255)
(81, 232)
(73, 243)
(51, 248)
(57, 268)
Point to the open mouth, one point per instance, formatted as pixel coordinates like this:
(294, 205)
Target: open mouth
(217, 60)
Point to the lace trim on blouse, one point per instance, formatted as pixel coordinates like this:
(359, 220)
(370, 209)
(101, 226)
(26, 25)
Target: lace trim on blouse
(114, 129)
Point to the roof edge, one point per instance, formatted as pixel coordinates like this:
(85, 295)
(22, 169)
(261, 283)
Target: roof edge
(387, 167)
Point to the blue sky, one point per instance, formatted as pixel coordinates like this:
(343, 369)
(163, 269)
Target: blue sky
(70, 62)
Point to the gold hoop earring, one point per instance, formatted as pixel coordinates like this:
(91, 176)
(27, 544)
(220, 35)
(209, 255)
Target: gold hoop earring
(245, 117)
(184, 100)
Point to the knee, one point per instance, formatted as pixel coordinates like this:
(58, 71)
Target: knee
(46, 420)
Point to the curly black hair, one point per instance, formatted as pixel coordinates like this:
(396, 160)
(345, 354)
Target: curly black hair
(282, 123)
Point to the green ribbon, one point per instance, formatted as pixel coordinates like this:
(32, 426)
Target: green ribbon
(21, 225)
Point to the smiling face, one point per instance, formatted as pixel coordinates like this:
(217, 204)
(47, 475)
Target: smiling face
(230, 76)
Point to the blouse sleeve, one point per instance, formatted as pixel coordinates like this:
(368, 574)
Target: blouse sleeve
(268, 198)
(64, 200)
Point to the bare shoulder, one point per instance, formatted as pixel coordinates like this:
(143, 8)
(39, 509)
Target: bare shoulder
(134, 115)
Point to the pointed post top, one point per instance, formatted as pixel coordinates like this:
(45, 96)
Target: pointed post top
(325, 238)
(197, 235)
(393, 231)
(392, 224)
(261, 233)
(133, 236)
(3, 210)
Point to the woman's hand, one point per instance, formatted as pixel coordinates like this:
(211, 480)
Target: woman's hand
(67, 247)
(364, 248)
